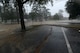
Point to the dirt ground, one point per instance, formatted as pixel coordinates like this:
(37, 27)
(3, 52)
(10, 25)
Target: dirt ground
(6, 29)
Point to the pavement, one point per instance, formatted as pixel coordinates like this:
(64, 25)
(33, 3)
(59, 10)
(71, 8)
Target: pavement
(56, 42)
(62, 40)
(42, 39)
(25, 41)
(49, 38)
(74, 39)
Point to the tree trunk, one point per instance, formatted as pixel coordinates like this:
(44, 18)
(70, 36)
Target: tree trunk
(21, 17)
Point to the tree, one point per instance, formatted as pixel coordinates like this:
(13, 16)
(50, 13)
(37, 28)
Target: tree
(56, 17)
(35, 12)
(20, 5)
(0, 11)
(60, 14)
(5, 4)
(17, 12)
(46, 13)
(73, 9)
(32, 15)
(41, 12)
(8, 12)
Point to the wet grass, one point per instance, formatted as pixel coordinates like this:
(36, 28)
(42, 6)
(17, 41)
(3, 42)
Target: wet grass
(67, 26)
(16, 34)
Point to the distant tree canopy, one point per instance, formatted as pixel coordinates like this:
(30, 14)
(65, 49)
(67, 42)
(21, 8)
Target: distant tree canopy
(57, 16)
(39, 13)
(73, 9)
(7, 11)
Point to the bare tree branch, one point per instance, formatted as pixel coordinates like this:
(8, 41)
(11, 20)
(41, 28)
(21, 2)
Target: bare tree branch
(24, 1)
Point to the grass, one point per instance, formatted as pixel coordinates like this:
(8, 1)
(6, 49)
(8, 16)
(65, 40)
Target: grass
(76, 26)
(13, 38)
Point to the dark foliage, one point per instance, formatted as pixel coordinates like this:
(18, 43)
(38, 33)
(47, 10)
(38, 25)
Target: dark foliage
(73, 9)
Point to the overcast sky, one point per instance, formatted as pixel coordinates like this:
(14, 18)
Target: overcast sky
(57, 5)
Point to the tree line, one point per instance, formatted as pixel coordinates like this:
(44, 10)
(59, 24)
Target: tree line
(13, 10)
(8, 12)
(73, 8)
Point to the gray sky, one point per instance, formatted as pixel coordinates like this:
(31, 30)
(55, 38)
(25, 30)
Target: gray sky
(57, 5)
